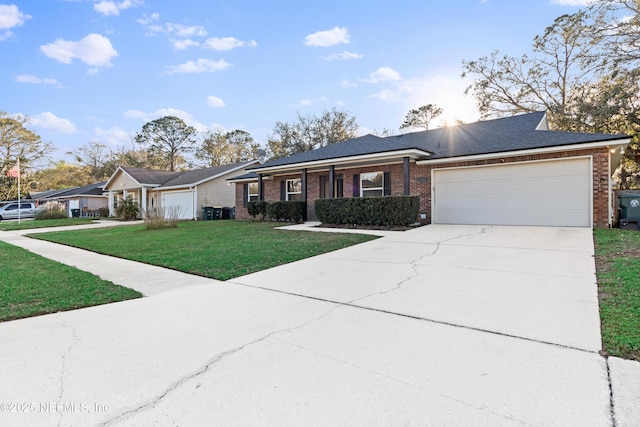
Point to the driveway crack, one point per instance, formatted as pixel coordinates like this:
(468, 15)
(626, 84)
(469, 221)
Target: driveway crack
(414, 265)
(63, 368)
(211, 363)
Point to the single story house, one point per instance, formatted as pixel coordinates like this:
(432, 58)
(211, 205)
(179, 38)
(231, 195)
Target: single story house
(507, 171)
(87, 199)
(187, 190)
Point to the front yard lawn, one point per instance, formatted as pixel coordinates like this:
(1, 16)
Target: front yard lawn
(218, 249)
(618, 269)
(31, 285)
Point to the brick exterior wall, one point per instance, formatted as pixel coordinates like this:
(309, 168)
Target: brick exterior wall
(420, 182)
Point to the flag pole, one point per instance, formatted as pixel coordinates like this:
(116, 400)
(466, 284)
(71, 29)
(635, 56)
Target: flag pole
(19, 173)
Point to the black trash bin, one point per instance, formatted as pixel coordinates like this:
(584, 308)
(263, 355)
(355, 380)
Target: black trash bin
(75, 213)
(228, 213)
(629, 206)
(207, 213)
(217, 213)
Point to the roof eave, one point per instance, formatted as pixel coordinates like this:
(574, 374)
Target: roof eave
(196, 183)
(337, 161)
(623, 141)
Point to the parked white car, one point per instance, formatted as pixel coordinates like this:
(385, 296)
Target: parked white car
(10, 210)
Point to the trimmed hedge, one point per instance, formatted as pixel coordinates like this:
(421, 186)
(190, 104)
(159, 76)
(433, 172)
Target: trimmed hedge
(279, 211)
(381, 211)
(257, 208)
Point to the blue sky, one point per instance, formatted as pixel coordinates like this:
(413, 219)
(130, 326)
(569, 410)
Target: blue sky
(87, 70)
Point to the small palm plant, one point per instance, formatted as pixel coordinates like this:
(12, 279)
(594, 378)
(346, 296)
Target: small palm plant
(127, 209)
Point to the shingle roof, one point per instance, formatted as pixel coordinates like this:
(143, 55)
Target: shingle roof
(490, 136)
(195, 176)
(367, 144)
(494, 136)
(150, 176)
(176, 179)
(87, 190)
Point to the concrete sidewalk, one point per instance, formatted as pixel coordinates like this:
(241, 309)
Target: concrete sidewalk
(435, 326)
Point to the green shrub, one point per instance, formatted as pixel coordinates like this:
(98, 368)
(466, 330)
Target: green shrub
(287, 211)
(52, 210)
(257, 208)
(127, 209)
(380, 211)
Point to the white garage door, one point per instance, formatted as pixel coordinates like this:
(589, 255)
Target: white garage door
(184, 199)
(552, 193)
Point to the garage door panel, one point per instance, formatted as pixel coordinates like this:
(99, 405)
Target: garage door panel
(537, 193)
(184, 199)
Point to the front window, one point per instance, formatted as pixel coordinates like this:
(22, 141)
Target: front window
(252, 190)
(338, 187)
(294, 189)
(372, 184)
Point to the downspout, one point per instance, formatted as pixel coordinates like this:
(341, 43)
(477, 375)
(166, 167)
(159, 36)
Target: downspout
(194, 202)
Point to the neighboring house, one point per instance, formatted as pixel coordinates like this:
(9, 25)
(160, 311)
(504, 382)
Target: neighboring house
(188, 190)
(509, 171)
(87, 199)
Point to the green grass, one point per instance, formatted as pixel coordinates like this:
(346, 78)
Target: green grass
(31, 285)
(218, 249)
(41, 223)
(618, 270)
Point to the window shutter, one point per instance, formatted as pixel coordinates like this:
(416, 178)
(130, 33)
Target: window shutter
(245, 194)
(283, 194)
(321, 182)
(387, 183)
(356, 185)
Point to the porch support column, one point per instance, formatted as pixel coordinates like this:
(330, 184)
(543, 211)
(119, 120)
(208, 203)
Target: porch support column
(260, 188)
(303, 182)
(332, 179)
(111, 199)
(143, 202)
(405, 170)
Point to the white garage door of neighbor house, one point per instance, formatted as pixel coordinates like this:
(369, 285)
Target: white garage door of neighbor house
(184, 199)
(551, 193)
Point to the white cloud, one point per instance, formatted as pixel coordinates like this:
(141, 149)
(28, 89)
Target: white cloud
(308, 102)
(184, 44)
(572, 2)
(107, 7)
(227, 43)
(148, 19)
(113, 136)
(162, 112)
(93, 49)
(28, 78)
(347, 83)
(51, 122)
(10, 16)
(384, 74)
(214, 101)
(184, 31)
(331, 37)
(343, 55)
(200, 66)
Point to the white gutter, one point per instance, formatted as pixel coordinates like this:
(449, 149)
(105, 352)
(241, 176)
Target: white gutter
(556, 149)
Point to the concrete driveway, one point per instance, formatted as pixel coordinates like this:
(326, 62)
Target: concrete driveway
(444, 325)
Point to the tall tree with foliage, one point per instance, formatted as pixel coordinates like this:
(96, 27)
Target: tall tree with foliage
(224, 148)
(16, 141)
(94, 156)
(563, 59)
(167, 139)
(61, 175)
(310, 132)
(582, 71)
(421, 117)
